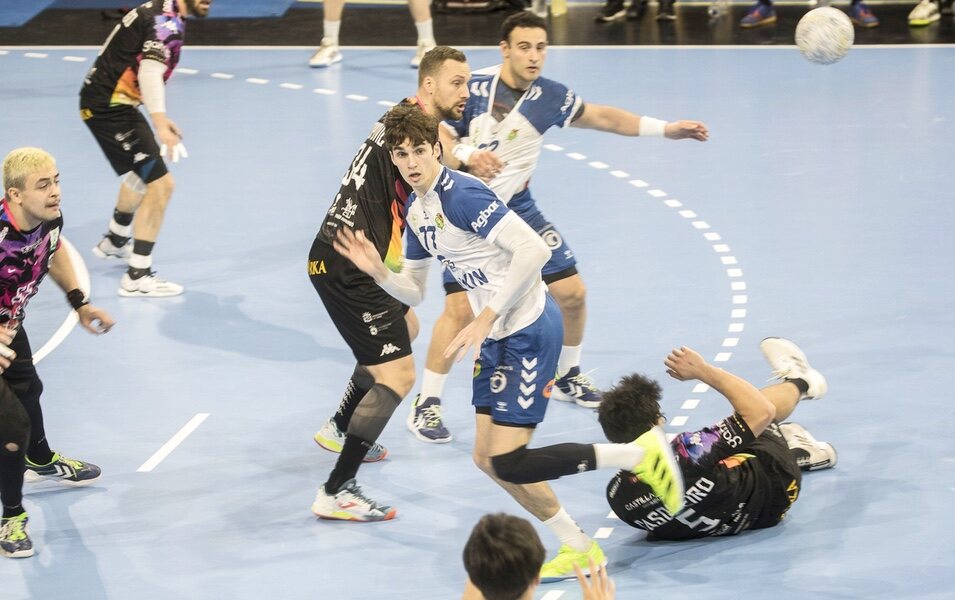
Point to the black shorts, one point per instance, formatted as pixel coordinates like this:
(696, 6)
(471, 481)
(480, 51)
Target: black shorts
(369, 319)
(785, 477)
(127, 140)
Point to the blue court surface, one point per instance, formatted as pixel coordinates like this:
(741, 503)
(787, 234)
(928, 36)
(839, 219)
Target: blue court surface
(820, 210)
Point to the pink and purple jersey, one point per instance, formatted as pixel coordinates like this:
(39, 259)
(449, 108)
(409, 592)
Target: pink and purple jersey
(25, 258)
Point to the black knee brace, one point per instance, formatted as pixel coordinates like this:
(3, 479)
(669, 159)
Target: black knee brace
(508, 467)
(373, 412)
(14, 423)
(543, 464)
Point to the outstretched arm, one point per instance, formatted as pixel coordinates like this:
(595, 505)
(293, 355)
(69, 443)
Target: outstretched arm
(407, 286)
(758, 412)
(616, 120)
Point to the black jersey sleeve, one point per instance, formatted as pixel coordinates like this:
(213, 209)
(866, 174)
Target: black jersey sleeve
(701, 450)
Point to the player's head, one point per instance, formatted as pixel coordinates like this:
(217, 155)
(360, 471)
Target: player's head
(443, 79)
(503, 557)
(630, 408)
(32, 185)
(524, 48)
(411, 137)
(198, 8)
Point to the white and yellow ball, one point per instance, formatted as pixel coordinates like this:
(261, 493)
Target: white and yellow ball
(824, 35)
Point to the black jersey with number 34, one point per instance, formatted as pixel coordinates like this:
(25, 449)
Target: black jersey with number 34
(723, 491)
(371, 199)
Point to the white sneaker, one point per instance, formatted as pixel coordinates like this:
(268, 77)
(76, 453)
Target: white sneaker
(811, 454)
(350, 504)
(925, 13)
(326, 55)
(424, 46)
(148, 286)
(789, 362)
(105, 249)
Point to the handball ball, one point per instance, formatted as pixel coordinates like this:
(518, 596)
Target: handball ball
(824, 35)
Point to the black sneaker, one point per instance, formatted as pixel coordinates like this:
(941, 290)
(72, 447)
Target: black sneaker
(613, 10)
(68, 471)
(637, 9)
(666, 12)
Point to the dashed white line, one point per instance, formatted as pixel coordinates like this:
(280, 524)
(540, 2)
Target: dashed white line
(687, 214)
(552, 595)
(223, 76)
(712, 236)
(74, 58)
(612, 515)
(553, 147)
(356, 97)
(599, 165)
(738, 286)
(740, 299)
(738, 313)
(690, 404)
(721, 248)
(678, 421)
(673, 203)
(256, 80)
(35, 54)
(700, 388)
(620, 174)
(576, 155)
(722, 356)
(734, 272)
(730, 342)
(4, 52)
(700, 224)
(657, 193)
(638, 183)
(735, 328)
(728, 260)
(291, 86)
(171, 445)
(386, 103)
(603, 533)
(187, 71)
(324, 91)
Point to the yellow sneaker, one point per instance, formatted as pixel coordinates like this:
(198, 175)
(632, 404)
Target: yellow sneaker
(659, 470)
(562, 565)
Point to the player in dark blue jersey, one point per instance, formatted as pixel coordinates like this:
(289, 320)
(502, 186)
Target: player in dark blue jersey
(742, 473)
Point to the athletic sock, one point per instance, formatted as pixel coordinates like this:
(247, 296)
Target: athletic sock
(432, 384)
(620, 456)
(346, 467)
(569, 358)
(361, 381)
(568, 531)
(801, 384)
(425, 30)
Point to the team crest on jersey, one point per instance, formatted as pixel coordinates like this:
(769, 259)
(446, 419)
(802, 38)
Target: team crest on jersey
(498, 382)
(548, 388)
(439, 220)
(477, 370)
(512, 135)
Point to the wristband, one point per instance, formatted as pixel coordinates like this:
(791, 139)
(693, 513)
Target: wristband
(463, 152)
(650, 127)
(76, 298)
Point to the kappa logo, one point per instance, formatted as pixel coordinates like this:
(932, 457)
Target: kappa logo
(139, 157)
(389, 349)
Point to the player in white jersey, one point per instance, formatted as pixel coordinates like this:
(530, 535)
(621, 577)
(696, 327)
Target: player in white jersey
(497, 257)
(500, 140)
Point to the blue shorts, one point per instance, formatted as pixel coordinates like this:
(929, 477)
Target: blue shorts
(562, 262)
(514, 375)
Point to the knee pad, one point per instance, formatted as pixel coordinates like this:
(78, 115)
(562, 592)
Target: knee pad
(507, 466)
(373, 412)
(14, 429)
(133, 182)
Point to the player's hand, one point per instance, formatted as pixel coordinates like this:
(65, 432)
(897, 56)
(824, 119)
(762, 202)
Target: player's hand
(170, 139)
(681, 130)
(95, 319)
(472, 336)
(685, 364)
(485, 164)
(600, 586)
(6, 354)
(354, 246)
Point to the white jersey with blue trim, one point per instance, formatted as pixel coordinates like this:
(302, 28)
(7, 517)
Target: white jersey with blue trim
(456, 222)
(518, 138)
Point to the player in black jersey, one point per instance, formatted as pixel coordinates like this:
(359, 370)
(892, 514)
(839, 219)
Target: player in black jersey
(377, 327)
(132, 67)
(743, 472)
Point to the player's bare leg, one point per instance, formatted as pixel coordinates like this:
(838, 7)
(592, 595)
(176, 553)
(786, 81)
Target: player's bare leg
(572, 385)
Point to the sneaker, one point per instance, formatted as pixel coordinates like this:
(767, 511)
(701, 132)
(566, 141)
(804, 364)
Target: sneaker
(659, 469)
(862, 15)
(811, 454)
(14, 539)
(331, 438)
(350, 504)
(68, 471)
(613, 10)
(425, 423)
(326, 55)
(665, 11)
(562, 566)
(424, 46)
(637, 9)
(578, 387)
(105, 249)
(789, 362)
(760, 14)
(925, 13)
(147, 286)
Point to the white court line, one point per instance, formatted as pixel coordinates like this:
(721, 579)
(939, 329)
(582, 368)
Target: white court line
(223, 75)
(728, 260)
(83, 279)
(690, 404)
(552, 595)
(291, 86)
(712, 236)
(386, 103)
(678, 421)
(187, 71)
(599, 165)
(553, 147)
(603, 533)
(576, 155)
(700, 388)
(620, 174)
(356, 97)
(657, 193)
(35, 55)
(171, 445)
(324, 91)
(74, 58)
(612, 515)
(256, 80)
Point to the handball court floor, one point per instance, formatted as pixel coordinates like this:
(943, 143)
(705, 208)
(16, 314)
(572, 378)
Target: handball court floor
(820, 210)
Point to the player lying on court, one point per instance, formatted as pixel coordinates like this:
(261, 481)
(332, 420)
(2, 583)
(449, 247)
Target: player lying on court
(457, 219)
(742, 473)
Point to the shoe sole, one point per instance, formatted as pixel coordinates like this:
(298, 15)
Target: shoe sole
(331, 448)
(391, 514)
(137, 294)
(423, 438)
(670, 458)
(555, 579)
(100, 254)
(769, 21)
(34, 477)
(334, 61)
(562, 396)
(18, 553)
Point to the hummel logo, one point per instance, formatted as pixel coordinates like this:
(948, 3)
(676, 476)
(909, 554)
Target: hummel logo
(389, 349)
(529, 364)
(525, 402)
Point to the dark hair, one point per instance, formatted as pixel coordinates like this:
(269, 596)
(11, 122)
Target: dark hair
(503, 556)
(521, 19)
(630, 408)
(435, 58)
(408, 122)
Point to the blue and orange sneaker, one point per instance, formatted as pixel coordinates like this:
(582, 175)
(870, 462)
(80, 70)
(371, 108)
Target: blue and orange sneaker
(762, 13)
(862, 15)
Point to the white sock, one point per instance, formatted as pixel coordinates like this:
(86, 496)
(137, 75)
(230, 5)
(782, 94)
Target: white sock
(569, 358)
(432, 384)
(330, 29)
(140, 261)
(425, 30)
(619, 456)
(568, 531)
